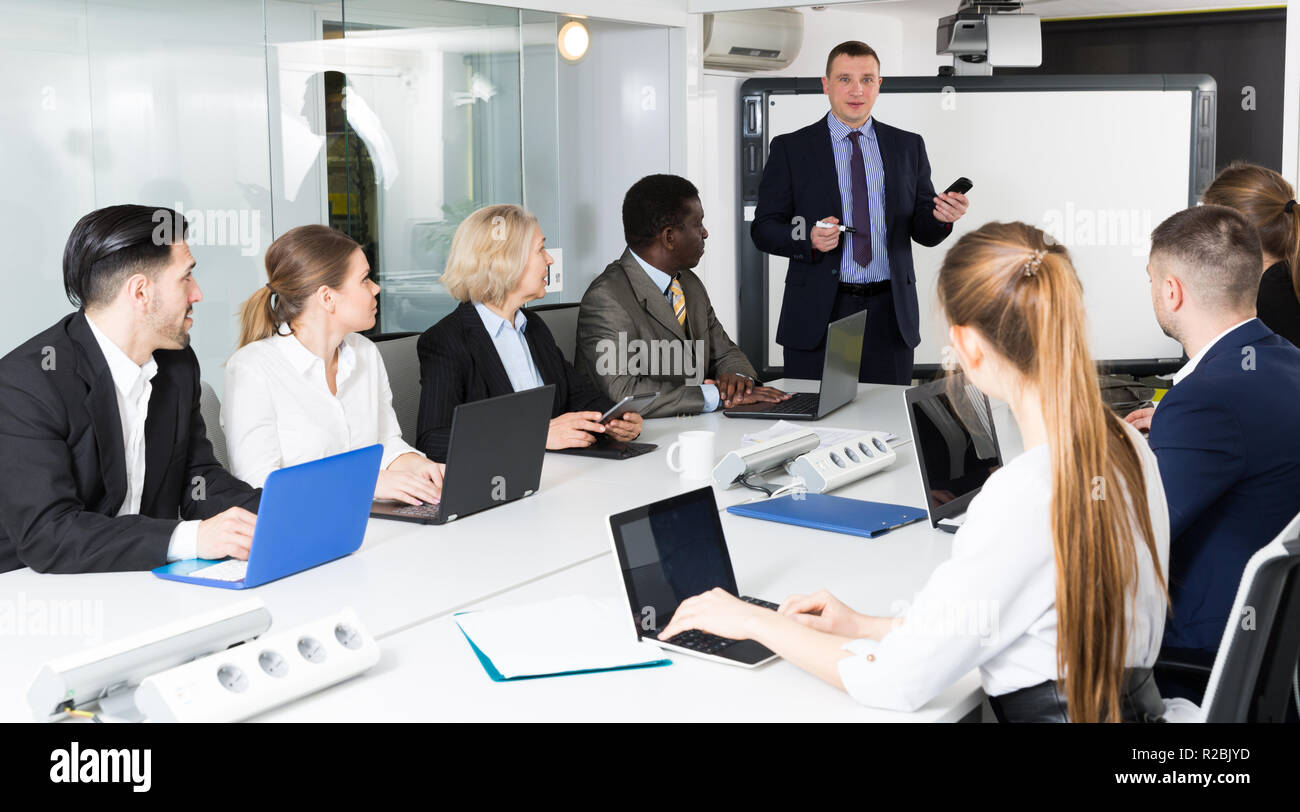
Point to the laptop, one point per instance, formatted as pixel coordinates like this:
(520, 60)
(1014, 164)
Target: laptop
(494, 457)
(956, 445)
(669, 551)
(309, 514)
(839, 384)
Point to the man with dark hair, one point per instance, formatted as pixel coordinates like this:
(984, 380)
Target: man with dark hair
(848, 171)
(104, 459)
(1227, 434)
(646, 325)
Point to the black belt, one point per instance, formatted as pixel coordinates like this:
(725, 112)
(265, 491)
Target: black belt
(868, 289)
(1044, 703)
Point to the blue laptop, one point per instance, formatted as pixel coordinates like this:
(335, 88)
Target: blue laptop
(309, 514)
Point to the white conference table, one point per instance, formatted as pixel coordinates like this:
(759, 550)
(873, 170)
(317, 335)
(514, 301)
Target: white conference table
(407, 575)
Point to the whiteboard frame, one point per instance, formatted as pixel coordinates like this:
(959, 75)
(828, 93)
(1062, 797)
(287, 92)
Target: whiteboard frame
(753, 138)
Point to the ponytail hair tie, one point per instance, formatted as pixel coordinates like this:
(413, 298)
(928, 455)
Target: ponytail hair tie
(1033, 263)
(1290, 204)
(268, 287)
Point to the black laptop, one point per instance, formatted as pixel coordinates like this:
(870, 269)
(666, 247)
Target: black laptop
(956, 445)
(494, 457)
(669, 551)
(839, 378)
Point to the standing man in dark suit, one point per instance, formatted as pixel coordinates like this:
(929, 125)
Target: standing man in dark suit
(853, 171)
(646, 323)
(104, 459)
(1227, 435)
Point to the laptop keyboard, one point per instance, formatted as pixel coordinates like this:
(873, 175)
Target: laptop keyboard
(706, 643)
(231, 569)
(429, 510)
(801, 403)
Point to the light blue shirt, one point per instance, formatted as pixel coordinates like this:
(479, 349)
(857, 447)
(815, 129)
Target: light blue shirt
(878, 269)
(512, 347)
(661, 281)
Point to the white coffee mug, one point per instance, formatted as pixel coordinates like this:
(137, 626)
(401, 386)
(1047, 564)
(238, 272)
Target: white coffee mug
(694, 451)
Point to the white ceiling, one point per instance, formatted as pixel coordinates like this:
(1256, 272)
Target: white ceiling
(1065, 8)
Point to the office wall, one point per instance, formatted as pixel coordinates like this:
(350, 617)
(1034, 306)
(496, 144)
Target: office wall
(219, 108)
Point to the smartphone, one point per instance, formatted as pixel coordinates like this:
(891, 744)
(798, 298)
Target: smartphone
(960, 185)
(631, 403)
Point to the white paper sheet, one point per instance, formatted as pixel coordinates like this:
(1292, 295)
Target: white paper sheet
(574, 633)
(828, 435)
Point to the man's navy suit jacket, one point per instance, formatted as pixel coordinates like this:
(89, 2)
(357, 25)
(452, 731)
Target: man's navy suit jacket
(1228, 441)
(799, 181)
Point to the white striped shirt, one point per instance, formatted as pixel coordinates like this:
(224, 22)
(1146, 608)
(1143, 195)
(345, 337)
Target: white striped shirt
(850, 270)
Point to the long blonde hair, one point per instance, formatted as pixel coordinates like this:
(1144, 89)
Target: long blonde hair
(488, 254)
(1020, 292)
(298, 264)
(1262, 195)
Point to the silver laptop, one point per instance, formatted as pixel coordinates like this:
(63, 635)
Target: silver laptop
(956, 445)
(839, 384)
(672, 550)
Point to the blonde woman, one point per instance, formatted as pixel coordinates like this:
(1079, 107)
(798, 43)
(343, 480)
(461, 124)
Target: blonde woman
(490, 345)
(1078, 581)
(304, 384)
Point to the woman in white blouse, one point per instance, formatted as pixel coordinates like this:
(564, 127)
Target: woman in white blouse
(303, 384)
(1055, 589)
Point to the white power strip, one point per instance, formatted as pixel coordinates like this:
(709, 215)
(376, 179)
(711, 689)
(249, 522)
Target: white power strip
(826, 469)
(261, 674)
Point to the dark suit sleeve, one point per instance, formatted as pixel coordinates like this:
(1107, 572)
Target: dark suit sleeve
(773, 229)
(582, 394)
(926, 228)
(220, 488)
(51, 529)
(443, 386)
(1199, 448)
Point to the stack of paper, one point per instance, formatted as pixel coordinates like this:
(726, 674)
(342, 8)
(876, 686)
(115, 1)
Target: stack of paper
(826, 434)
(560, 636)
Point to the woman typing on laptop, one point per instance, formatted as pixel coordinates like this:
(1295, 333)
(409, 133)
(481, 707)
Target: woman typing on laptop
(304, 384)
(490, 345)
(1055, 589)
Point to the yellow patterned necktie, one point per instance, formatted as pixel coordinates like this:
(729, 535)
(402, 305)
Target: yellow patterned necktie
(679, 301)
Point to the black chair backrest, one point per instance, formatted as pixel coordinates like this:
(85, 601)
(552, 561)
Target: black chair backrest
(562, 321)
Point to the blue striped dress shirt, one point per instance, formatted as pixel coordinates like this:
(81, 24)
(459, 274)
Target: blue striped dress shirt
(850, 270)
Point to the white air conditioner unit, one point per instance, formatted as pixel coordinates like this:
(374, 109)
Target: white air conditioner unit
(766, 39)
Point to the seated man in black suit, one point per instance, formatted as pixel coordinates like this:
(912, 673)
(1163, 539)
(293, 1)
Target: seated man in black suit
(646, 324)
(104, 460)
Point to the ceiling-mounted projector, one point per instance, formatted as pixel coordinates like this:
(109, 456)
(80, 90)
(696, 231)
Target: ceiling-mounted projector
(985, 35)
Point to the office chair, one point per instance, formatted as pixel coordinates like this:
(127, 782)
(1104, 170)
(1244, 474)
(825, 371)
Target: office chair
(210, 410)
(1254, 678)
(402, 364)
(562, 321)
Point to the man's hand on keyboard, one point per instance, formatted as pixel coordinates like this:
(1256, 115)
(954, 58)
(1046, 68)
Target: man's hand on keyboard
(229, 533)
(716, 612)
(761, 394)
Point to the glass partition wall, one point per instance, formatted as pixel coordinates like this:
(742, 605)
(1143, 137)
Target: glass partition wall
(390, 120)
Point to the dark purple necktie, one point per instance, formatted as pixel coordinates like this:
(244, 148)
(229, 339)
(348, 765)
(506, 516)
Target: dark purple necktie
(861, 213)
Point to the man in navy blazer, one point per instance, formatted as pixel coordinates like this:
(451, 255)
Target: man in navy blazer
(849, 171)
(1227, 434)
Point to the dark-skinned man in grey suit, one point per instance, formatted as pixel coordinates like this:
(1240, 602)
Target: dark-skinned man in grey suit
(646, 324)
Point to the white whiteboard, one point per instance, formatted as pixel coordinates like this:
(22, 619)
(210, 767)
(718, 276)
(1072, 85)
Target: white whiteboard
(1097, 169)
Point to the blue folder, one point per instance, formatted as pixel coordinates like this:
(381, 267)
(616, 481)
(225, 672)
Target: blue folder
(834, 513)
(497, 676)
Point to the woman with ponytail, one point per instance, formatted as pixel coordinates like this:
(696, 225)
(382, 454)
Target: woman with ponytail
(304, 384)
(1268, 202)
(1066, 545)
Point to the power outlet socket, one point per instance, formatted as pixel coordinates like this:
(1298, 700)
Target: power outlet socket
(556, 283)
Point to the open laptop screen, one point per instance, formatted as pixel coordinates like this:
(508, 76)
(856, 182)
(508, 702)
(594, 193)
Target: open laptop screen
(669, 551)
(956, 445)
